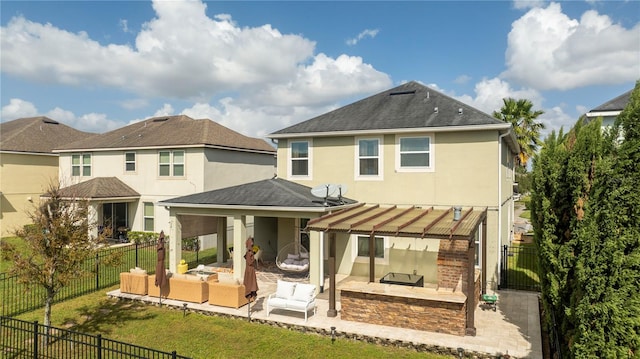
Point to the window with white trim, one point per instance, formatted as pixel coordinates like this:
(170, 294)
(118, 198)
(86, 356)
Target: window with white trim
(81, 165)
(148, 220)
(300, 156)
(171, 163)
(413, 154)
(369, 158)
(129, 161)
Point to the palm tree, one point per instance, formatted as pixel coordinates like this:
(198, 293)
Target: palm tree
(519, 114)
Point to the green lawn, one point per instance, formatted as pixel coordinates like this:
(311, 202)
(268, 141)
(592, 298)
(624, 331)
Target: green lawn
(203, 336)
(523, 267)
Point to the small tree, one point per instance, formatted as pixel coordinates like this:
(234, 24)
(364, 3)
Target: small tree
(56, 246)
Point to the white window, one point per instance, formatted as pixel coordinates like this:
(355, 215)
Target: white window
(130, 161)
(368, 159)
(414, 154)
(171, 163)
(300, 159)
(148, 217)
(361, 249)
(81, 165)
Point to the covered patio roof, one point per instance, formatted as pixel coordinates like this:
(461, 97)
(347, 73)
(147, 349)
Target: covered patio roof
(414, 222)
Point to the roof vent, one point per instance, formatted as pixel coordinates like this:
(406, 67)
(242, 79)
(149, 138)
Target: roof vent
(160, 119)
(460, 111)
(48, 120)
(411, 92)
(435, 110)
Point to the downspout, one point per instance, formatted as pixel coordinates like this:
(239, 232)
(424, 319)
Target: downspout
(500, 203)
(321, 262)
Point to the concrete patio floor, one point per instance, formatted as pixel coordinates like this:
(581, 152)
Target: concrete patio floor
(513, 329)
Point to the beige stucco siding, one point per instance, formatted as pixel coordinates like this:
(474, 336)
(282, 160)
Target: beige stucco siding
(229, 168)
(23, 176)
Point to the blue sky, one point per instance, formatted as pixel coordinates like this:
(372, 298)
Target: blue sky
(259, 66)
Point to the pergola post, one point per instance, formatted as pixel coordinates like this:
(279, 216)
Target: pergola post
(471, 289)
(332, 312)
(175, 243)
(221, 242)
(239, 238)
(372, 258)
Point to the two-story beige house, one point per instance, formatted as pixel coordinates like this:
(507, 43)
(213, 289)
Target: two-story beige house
(28, 166)
(126, 172)
(409, 146)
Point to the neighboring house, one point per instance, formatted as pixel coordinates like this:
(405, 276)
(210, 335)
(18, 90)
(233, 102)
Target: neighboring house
(610, 110)
(126, 172)
(409, 146)
(28, 166)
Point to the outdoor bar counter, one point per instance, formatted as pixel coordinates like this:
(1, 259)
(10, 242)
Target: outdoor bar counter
(419, 308)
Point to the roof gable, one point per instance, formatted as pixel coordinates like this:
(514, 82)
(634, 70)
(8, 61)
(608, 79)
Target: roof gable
(172, 131)
(37, 135)
(407, 106)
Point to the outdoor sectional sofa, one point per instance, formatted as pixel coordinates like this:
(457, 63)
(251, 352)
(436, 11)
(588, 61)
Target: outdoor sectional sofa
(227, 294)
(184, 287)
(134, 282)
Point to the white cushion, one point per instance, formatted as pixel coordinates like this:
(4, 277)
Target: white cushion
(293, 256)
(277, 302)
(304, 292)
(289, 261)
(285, 289)
(304, 254)
(300, 305)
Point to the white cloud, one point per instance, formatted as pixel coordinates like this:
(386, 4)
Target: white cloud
(18, 108)
(462, 79)
(362, 35)
(549, 50)
(183, 54)
(527, 4)
(91, 122)
(490, 92)
(124, 25)
(166, 110)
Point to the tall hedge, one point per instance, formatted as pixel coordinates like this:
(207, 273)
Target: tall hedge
(586, 216)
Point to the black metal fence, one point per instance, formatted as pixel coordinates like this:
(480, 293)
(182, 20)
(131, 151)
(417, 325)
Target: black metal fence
(16, 297)
(519, 268)
(21, 339)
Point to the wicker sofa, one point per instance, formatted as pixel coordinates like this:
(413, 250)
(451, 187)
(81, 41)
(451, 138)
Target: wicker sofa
(134, 282)
(227, 294)
(184, 287)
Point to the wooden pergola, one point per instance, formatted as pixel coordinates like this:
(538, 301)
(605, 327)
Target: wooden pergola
(453, 223)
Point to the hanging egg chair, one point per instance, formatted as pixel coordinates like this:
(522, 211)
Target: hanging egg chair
(293, 258)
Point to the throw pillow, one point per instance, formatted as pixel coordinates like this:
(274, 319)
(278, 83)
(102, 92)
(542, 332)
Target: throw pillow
(284, 289)
(304, 292)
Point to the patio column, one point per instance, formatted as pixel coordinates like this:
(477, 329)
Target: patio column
(93, 219)
(315, 277)
(221, 243)
(175, 242)
(239, 239)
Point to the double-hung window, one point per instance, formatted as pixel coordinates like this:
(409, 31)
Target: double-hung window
(171, 163)
(300, 156)
(414, 154)
(81, 165)
(130, 162)
(148, 216)
(369, 158)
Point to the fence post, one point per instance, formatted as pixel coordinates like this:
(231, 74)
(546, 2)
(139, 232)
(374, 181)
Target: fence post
(136, 254)
(97, 271)
(99, 346)
(174, 354)
(35, 339)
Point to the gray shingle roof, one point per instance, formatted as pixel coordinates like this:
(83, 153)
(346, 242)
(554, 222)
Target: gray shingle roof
(410, 105)
(616, 104)
(37, 135)
(273, 192)
(174, 131)
(99, 188)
